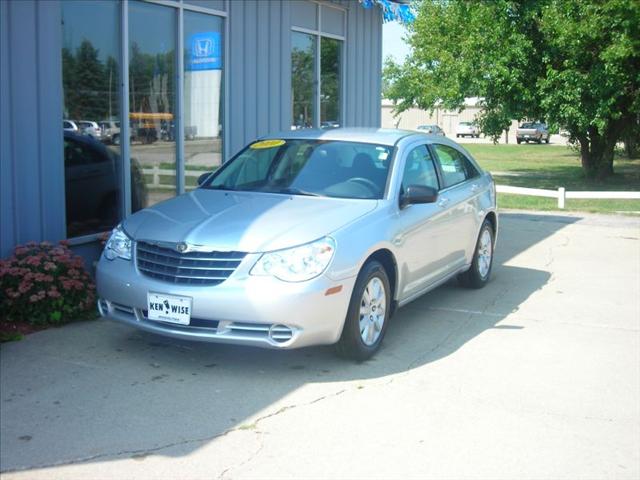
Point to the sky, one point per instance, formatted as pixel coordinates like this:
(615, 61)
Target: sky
(392, 43)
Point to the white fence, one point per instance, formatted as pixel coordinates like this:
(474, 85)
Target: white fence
(561, 194)
(156, 172)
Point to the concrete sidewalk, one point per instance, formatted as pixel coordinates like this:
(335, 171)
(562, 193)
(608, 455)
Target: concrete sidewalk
(535, 376)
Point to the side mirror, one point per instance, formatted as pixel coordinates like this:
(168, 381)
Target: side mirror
(416, 194)
(202, 178)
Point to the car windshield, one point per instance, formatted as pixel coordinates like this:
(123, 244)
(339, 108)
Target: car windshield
(528, 125)
(465, 124)
(307, 167)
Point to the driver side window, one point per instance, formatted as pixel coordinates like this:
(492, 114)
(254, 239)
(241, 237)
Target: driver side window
(419, 169)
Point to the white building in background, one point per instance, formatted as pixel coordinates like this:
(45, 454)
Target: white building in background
(446, 119)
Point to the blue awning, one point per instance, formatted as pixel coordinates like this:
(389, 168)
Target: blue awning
(397, 10)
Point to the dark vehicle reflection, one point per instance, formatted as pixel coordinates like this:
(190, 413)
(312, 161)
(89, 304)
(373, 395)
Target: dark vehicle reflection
(92, 180)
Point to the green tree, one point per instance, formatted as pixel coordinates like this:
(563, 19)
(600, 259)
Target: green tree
(68, 81)
(574, 63)
(91, 100)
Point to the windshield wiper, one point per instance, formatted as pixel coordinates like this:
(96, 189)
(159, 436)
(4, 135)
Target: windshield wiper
(297, 191)
(220, 187)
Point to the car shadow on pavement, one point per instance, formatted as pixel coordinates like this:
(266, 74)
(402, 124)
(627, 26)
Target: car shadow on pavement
(97, 391)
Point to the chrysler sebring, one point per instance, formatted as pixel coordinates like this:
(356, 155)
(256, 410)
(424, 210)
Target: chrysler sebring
(304, 238)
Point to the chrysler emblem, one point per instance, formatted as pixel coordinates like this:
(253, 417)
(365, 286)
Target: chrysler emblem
(181, 247)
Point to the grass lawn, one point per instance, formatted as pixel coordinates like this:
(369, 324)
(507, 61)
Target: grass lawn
(550, 167)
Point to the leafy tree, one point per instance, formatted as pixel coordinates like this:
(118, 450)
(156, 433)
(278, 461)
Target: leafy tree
(329, 79)
(90, 100)
(68, 80)
(302, 85)
(573, 63)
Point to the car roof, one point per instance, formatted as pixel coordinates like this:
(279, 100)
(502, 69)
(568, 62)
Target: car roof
(379, 136)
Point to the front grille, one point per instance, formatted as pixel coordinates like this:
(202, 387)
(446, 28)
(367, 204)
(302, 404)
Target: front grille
(193, 268)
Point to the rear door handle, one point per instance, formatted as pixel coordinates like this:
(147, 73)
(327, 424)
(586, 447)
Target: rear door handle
(443, 202)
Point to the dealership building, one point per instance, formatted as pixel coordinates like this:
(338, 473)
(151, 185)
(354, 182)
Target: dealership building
(110, 106)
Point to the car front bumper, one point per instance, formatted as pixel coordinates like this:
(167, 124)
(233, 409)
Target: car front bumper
(244, 309)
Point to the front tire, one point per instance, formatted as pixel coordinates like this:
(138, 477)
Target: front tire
(478, 275)
(368, 314)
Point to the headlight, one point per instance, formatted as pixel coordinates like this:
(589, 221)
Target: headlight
(299, 263)
(118, 245)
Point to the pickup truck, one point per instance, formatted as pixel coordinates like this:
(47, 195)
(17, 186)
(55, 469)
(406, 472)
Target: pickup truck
(532, 132)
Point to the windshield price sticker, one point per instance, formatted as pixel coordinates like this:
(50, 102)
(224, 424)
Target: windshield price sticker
(267, 144)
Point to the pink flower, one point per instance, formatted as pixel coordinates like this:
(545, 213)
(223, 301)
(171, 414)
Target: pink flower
(35, 261)
(48, 266)
(34, 298)
(25, 286)
(53, 293)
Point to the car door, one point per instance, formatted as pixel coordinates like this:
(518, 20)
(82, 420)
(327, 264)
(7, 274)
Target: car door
(458, 201)
(419, 228)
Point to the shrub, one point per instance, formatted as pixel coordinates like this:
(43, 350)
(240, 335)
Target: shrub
(44, 284)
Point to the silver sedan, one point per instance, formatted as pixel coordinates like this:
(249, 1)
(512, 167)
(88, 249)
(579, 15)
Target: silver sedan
(304, 238)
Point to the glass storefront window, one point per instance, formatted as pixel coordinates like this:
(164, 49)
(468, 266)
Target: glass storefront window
(152, 61)
(90, 77)
(330, 76)
(203, 113)
(303, 79)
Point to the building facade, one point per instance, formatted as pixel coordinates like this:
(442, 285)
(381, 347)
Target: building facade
(447, 120)
(109, 106)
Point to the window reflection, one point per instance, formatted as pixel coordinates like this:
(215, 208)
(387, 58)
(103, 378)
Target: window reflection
(90, 78)
(302, 80)
(202, 95)
(152, 61)
(330, 74)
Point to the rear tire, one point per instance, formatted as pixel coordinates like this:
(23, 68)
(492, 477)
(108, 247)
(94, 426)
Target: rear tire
(478, 275)
(365, 324)
(519, 141)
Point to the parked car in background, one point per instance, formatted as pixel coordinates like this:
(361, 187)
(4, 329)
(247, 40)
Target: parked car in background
(90, 129)
(110, 131)
(70, 126)
(532, 132)
(431, 129)
(304, 238)
(92, 185)
(467, 129)
(330, 124)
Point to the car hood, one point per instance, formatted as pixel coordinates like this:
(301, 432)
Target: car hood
(244, 221)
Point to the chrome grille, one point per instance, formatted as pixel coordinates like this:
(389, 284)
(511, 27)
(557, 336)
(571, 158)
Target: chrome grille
(195, 268)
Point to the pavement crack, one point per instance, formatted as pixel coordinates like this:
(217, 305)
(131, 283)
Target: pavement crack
(143, 452)
(134, 453)
(260, 433)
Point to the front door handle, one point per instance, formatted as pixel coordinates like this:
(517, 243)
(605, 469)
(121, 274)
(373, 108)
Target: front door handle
(443, 202)
(474, 187)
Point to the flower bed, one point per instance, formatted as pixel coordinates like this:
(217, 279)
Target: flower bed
(43, 284)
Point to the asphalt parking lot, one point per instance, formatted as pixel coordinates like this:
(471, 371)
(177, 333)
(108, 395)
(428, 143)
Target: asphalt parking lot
(535, 376)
